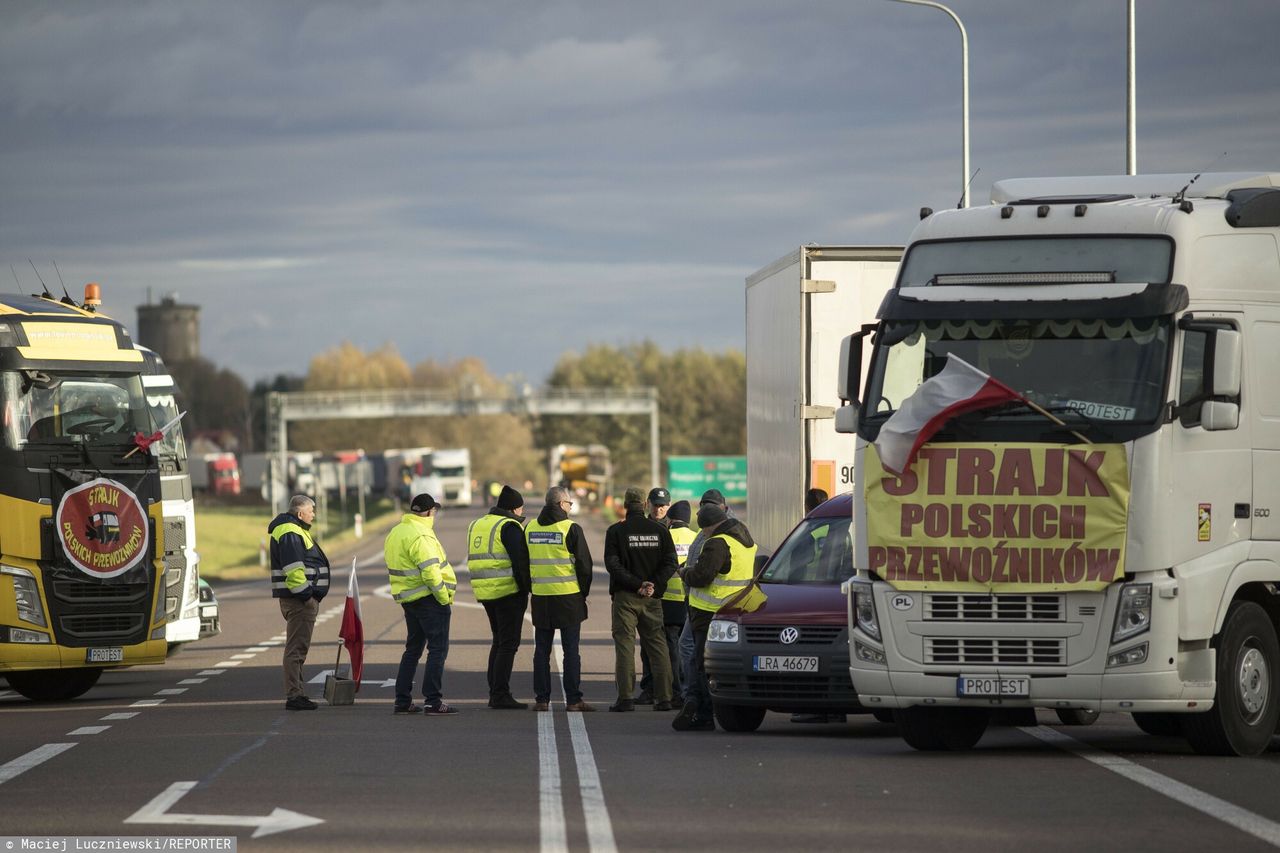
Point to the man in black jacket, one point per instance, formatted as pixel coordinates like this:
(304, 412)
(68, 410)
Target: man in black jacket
(640, 557)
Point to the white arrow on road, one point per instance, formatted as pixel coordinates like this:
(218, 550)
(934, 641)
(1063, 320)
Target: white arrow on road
(157, 811)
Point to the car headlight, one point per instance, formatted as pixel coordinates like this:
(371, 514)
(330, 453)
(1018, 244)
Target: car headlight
(26, 595)
(864, 610)
(722, 631)
(1133, 616)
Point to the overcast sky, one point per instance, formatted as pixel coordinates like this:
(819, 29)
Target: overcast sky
(517, 179)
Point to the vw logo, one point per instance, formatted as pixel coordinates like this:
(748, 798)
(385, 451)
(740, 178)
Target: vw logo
(789, 635)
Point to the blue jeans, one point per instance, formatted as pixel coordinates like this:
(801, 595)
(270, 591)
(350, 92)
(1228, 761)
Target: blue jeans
(428, 623)
(688, 651)
(571, 663)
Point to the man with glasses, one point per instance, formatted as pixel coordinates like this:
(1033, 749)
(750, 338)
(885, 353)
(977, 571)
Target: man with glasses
(560, 579)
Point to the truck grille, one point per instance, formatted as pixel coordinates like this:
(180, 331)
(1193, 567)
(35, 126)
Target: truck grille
(1000, 651)
(810, 635)
(77, 592)
(942, 607)
(102, 626)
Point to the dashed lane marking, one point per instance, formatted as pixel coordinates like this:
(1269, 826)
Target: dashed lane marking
(146, 703)
(123, 715)
(88, 730)
(211, 672)
(171, 691)
(35, 757)
(193, 681)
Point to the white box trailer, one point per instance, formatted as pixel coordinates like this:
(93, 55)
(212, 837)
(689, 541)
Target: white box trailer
(799, 309)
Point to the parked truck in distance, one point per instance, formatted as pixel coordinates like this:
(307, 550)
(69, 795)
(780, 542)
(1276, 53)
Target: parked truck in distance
(585, 469)
(798, 310)
(216, 473)
(446, 476)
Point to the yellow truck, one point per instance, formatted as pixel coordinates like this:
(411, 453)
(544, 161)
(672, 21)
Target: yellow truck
(81, 588)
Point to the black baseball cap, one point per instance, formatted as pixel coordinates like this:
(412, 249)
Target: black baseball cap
(659, 497)
(713, 496)
(423, 502)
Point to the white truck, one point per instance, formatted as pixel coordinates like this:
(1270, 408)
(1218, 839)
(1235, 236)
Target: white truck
(1108, 539)
(449, 480)
(798, 309)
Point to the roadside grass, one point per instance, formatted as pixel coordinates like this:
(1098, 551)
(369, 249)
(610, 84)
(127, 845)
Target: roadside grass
(228, 537)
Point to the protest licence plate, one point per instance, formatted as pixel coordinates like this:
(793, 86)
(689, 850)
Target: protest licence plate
(115, 655)
(784, 663)
(994, 686)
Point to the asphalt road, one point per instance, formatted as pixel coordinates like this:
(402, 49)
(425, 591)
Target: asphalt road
(203, 746)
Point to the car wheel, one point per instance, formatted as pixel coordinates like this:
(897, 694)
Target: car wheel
(1077, 716)
(54, 685)
(1247, 703)
(1159, 724)
(941, 729)
(737, 718)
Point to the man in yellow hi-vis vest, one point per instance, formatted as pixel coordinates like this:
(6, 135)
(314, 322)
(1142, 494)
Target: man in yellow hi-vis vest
(498, 563)
(725, 567)
(300, 579)
(423, 582)
(560, 579)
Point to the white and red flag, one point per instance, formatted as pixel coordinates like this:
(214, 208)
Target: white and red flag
(956, 389)
(352, 631)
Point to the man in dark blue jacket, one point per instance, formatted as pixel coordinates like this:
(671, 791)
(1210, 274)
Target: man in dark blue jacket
(300, 579)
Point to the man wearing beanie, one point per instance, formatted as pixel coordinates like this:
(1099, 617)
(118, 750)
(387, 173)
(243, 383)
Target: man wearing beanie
(725, 567)
(640, 557)
(498, 562)
(712, 497)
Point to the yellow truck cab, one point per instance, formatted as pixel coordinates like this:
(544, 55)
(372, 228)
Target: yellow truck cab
(81, 588)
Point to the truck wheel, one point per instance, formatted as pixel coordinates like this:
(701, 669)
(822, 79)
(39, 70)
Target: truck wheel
(1159, 724)
(1247, 702)
(941, 729)
(1077, 716)
(54, 685)
(737, 718)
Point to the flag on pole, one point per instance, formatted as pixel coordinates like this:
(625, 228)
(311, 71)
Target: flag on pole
(352, 631)
(956, 389)
(144, 442)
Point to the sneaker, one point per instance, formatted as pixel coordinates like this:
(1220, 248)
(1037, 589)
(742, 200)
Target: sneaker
(507, 703)
(300, 703)
(408, 709)
(662, 706)
(440, 709)
(686, 715)
(580, 706)
(644, 698)
(623, 705)
(542, 706)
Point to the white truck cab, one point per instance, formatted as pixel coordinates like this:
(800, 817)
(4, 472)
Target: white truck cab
(1111, 540)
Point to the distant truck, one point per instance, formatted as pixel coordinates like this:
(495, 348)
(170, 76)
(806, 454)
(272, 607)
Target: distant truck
(446, 476)
(216, 473)
(798, 310)
(586, 470)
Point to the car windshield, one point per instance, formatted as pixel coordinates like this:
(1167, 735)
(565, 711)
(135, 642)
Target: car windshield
(1127, 259)
(1108, 371)
(53, 408)
(819, 551)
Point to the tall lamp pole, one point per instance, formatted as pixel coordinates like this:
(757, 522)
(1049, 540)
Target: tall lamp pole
(964, 96)
(1131, 158)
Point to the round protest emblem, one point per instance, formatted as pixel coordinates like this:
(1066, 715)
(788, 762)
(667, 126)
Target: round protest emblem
(102, 527)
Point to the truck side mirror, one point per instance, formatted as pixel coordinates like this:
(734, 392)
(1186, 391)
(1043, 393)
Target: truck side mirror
(850, 367)
(1217, 415)
(1227, 352)
(847, 418)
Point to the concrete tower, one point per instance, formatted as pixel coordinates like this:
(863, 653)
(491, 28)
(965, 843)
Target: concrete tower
(172, 330)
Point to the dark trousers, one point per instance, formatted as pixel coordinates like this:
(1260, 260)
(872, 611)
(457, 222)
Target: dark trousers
(506, 622)
(698, 692)
(571, 663)
(672, 633)
(427, 621)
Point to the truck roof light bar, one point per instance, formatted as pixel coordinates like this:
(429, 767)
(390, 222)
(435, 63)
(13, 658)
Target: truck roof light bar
(981, 278)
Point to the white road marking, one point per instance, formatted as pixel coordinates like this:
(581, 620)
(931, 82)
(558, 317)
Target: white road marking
(256, 649)
(226, 663)
(37, 756)
(146, 703)
(88, 730)
(171, 691)
(242, 656)
(193, 681)
(157, 811)
(1229, 813)
(271, 643)
(552, 833)
(594, 811)
(211, 672)
(123, 715)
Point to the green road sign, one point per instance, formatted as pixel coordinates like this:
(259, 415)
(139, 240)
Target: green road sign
(689, 476)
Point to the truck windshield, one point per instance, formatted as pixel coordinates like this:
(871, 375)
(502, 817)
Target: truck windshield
(164, 408)
(817, 552)
(1130, 259)
(55, 408)
(1109, 371)
(451, 471)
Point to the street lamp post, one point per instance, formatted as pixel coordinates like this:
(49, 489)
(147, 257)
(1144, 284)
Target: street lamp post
(964, 96)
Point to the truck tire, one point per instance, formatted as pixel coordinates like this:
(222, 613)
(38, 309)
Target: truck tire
(1247, 702)
(941, 729)
(1159, 724)
(1077, 716)
(54, 685)
(737, 718)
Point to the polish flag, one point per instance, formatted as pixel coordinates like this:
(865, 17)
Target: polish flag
(352, 631)
(956, 389)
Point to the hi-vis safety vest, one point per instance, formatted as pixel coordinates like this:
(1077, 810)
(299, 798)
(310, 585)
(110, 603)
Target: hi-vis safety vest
(550, 563)
(488, 560)
(416, 562)
(742, 568)
(297, 577)
(683, 537)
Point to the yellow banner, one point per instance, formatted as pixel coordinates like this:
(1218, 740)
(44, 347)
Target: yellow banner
(999, 517)
(74, 342)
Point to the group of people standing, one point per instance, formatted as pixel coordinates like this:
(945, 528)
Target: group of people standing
(665, 582)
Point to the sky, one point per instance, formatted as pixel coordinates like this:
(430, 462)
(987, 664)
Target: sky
(517, 180)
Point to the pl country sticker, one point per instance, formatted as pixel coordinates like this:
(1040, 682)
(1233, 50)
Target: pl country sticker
(102, 527)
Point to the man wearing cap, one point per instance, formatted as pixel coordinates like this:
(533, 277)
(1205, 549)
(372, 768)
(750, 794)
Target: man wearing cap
(640, 557)
(560, 579)
(498, 562)
(658, 503)
(424, 583)
(725, 566)
(711, 497)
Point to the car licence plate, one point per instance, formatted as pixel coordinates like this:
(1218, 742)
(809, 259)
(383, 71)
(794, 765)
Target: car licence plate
(994, 686)
(784, 663)
(115, 655)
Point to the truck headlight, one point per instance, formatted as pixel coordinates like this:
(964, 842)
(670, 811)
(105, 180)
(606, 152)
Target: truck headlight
(864, 610)
(722, 631)
(1133, 616)
(1128, 657)
(26, 595)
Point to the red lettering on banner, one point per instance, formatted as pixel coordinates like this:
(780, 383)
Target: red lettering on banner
(1017, 473)
(1052, 484)
(955, 566)
(1082, 474)
(877, 556)
(902, 485)
(937, 458)
(894, 561)
(974, 471)
(1071, 522)
(912, 514)
(1042, 521)
(935, 521)
(980, 521)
